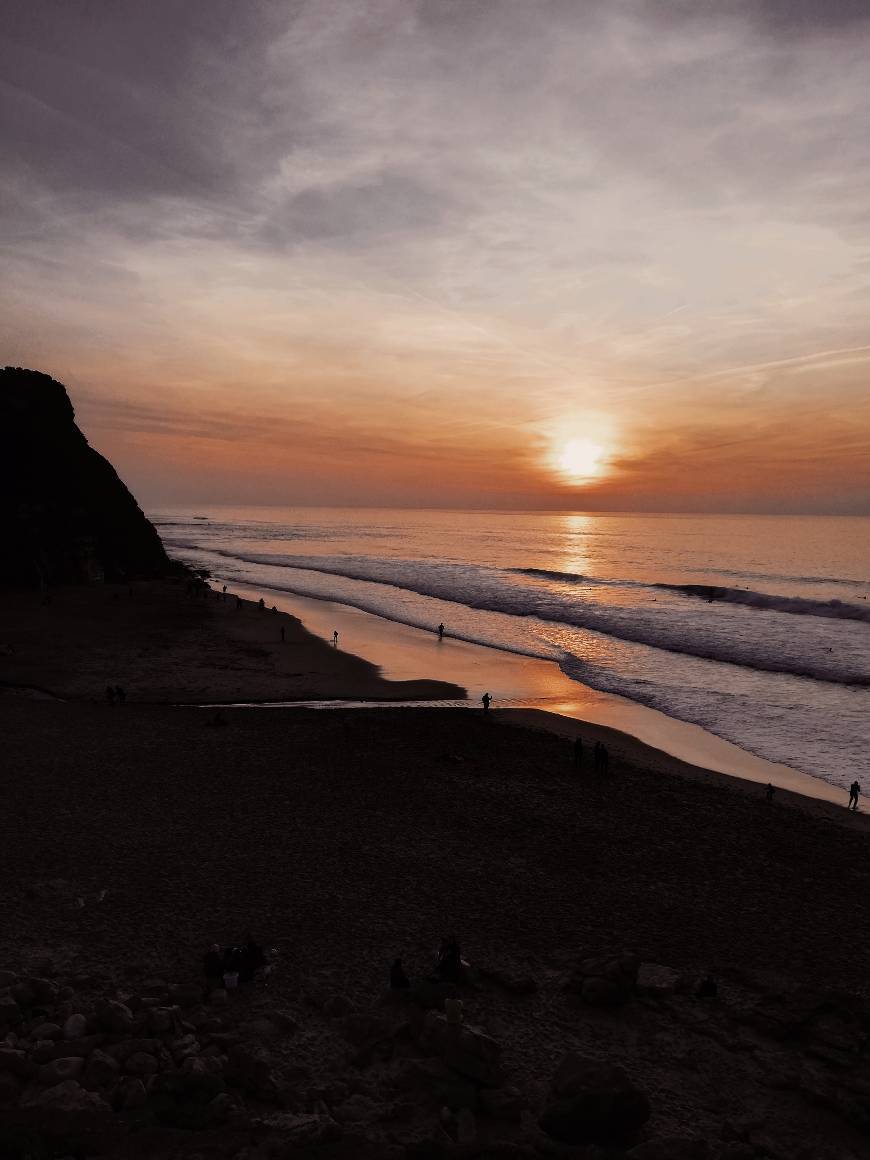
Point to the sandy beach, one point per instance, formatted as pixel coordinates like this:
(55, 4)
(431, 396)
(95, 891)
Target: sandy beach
(135, 836)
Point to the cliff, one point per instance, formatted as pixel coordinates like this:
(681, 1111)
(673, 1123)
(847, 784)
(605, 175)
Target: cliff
(66, 516)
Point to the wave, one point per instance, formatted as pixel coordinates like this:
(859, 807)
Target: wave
(687, 631)
(713, 593)
(794, 605)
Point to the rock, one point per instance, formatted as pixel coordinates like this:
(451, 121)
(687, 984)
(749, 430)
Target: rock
(670, 1148)
(251, 1069)
(101, 1071)
(607, 981)
(114, 1017)
(75, 1026)
(336, 1006)
(10, 1012)
(502, 1104)
(430, 994)
(47, 1031)
(186, 994)
(464, 1049)
(10, 1088)
(593, 1103)
(69, 1096)
(121, 1051)
(199, 1080)
(65, 513)
(44, 990)
(655, 979)
(602, 992)
(141, 1063)
(357, 1109)
(59, 1070)
(133, 1093)
(14, 1061)
(161, 1021)
(516, 984)
(23, 995)
(466, 1127)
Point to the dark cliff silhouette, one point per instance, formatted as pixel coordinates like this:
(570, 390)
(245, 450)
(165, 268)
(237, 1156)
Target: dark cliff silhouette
(65, 516)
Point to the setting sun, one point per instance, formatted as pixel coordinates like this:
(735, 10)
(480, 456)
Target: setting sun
(579, 459)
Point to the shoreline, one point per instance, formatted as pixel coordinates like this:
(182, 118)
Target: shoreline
(529, 685)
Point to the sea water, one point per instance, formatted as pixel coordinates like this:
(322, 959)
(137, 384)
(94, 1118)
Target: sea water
(755, 627)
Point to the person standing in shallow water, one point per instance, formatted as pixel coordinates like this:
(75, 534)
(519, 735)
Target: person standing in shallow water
(854, 791)
(440, 631)
(335, 638)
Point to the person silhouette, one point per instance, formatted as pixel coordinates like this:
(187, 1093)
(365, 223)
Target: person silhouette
(440, 631)
(854, 791)
(261, 603)
(769, 792)
(335, 638)
(399, 981)
(485, 701)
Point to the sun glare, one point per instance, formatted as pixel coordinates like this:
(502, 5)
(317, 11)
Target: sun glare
(579, 459)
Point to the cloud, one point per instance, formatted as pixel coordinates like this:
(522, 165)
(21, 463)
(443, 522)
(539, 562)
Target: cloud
(405, 211)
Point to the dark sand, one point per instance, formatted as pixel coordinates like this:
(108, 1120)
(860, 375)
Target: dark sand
(347, 837)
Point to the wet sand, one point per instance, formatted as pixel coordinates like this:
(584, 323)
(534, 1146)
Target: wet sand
(539, 687)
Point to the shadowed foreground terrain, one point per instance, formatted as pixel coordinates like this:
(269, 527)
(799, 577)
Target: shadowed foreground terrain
(346, 837)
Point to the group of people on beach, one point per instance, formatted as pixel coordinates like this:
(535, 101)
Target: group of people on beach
(233, 965)
(450, 967)
(600, 757)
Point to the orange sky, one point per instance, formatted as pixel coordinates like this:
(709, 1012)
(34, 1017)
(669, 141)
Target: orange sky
(404, 252)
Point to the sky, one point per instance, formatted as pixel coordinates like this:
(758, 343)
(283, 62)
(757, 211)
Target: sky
(567, 254)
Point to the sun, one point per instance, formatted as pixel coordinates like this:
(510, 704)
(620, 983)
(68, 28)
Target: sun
(579, 459)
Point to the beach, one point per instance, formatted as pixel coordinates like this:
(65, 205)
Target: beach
(136, 835)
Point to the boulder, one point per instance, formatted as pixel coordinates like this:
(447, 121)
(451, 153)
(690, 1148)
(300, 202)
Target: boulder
(141, 1063)
(75, 1026)
(670, 1148)
(114, 1017)
(10, 1088)
(59, 1070)
(14, 1061)
(47, 1031)
(101, 1070)
(133, 1093)
(593, 1103)
(606, 981)
(10, 1012)
(68, 1096)
(44, 990)
(464, 1049)
(186, 994)
(655, 979)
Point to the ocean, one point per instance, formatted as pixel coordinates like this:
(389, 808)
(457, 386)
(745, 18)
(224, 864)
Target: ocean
(756, 628)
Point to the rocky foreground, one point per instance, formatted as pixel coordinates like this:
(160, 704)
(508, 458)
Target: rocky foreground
(161, 1071)
(136, 836)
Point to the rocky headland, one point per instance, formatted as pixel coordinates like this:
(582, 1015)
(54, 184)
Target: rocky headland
(66, 516)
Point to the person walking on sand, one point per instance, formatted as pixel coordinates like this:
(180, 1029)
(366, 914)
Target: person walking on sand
(854, 791)
(335, 638)
(485, 701)
(440, 631)
(578, 752)
(224, 592)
